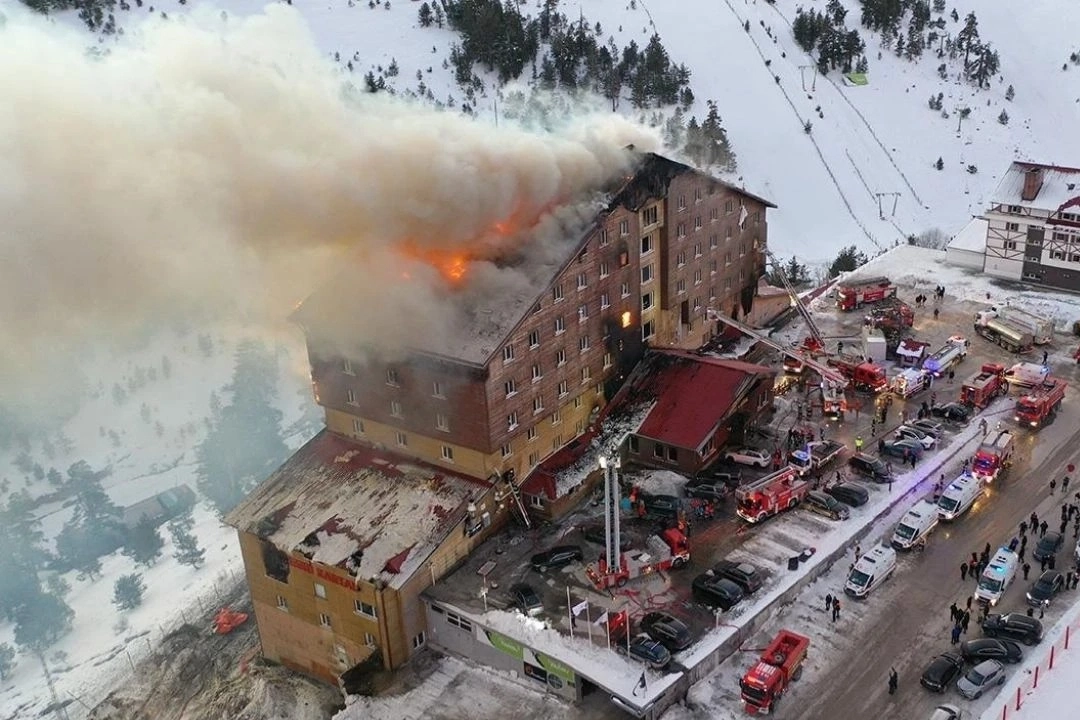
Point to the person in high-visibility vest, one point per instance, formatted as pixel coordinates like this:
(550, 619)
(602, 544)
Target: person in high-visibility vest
(858, 444)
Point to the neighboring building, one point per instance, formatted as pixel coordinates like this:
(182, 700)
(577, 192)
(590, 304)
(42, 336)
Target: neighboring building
(1033, 226)
(701, 405)
(161, 507)
(968, 247)
(338, 544)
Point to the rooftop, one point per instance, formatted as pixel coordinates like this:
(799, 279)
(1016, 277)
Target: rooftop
(348, 505)
(693, 394)
(971, 237)
(1060, 184)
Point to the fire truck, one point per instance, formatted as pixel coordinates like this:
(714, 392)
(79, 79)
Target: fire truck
(985, 386)
(670, 549)
(891, 316)
(780, 665)
(853, 294)
(815, 455)
(947, 356)
(1039, 406)
(993, 457)
(761, 499)
(864, 375)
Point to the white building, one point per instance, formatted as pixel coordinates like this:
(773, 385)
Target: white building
(1033, 226)
(968, 247)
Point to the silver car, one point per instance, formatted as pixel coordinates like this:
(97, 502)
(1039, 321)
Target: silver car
(981, 677)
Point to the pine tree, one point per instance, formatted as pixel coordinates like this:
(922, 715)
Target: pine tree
(967, 38)
(128, 591)
(847, 260)
(1003, 118)
(425, 16)
(1010, 93)
(41, 623)
(188, 551)
(144, 543)
(7, 660)
(940, 164)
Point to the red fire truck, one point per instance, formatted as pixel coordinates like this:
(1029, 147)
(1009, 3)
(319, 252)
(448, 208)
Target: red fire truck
(810, 347)
(864, 375)
(854, 293)
(985, 386)
(891, 315)
(780, 665)
(993, 457)
(668, 550)
(761, 499)
(1040, 405)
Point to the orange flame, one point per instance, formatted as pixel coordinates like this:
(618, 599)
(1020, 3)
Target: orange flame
(453, 263)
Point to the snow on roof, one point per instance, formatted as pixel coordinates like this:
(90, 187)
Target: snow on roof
(693, 394)
(334, 498)
(909, 347)
(1059, 185)
(971, 237)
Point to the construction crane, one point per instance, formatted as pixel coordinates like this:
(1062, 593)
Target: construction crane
(833, 382)
(815, 343)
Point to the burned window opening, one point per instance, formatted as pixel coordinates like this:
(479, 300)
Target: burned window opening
(275, 562)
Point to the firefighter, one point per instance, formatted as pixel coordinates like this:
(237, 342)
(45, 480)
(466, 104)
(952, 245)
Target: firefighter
(858, 443)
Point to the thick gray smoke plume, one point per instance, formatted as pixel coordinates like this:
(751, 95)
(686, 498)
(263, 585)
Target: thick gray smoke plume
(210, 163)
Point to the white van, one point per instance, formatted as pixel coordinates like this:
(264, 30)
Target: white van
(997, 576)
(1027, 374)
(958, 498)
(915, 525)
(871, 570)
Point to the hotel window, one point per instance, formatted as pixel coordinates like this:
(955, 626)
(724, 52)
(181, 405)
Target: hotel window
(536, 373)
(680, 230)
(727, 284)
(577, 403)
(556, 417)
(282, 603)
(346, 367)
(646, 301)
(697, 276)
(603, 238)
(369, 640)
(458, 621)
(624, 289)
(536, 308)
(742, 250)
(1058, 255)
(510, 386)
(1074, 258)
(358, 426)
(582, 281)
(646, 274)
(714, 215)
(583, 313)
(714, 241)
(632, 443)
(680, 287)
(562, 388)
(402, 439)
(556, 443)
(649, 216)
(583, 343)
(512, 421)
(448, 453)
(579, 427)
(605, 301)
(682, 202)
(697, 223)
(646, 245)
(418, 641)
(697, 249)
(624, 228)
(697, 194)
(1015, 209)
(605, 269)
(607, 360)
(1012, 227)
(586, 374)
(647, 330)
(534, 458)
(392, 377)
(712, 267)
(727, 258)
(350, 397)
(324, 620)
(1010, 244)
(508, 353)
(506, 451)
(1061, 237)
(320, 591)
(556, 293)
(560, 325)
(729, 207)
(680, 258)
(395, 408)
(581, 256)
(530, 434)
(538, 404)
(442, 422)
(560, 357)
(536, 501)
(534, 339)
(437, 389)
(658, 451)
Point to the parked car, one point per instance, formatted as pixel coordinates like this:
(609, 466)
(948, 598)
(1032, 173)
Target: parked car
(975, 651)
(707, 488)
(668, 630)
(742, 574)
(869, 467)
(594, 533)
(941, 671)
(645, 649)
(717, 591)
(723, 472)
(556, 557)
(1049, 584)
(525, 599)
(928, 426)
(749, 456)
(952, 412)
(981, 677)
(1014, 626)
(1048, 545)
(850, 493)
(824, 504)
(910, 432)
(901, 448)
(661, 506)
(947, 711)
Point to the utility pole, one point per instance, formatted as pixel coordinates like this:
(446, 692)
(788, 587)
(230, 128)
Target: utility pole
(881, 210)
(813, 78)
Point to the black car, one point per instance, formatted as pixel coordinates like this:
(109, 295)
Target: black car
(1048, 545)
(901, 448)
(669, 631)
(661, 506)
(869, 467)
(824, 504)
(742, 574)
(941, 672)
(717, 591)
(525, 599)
(1045, 588)
(707, 488)
(557, 557)
(851, 494)
(595, 534)
(1014, 626)
(975, 651)
(952, 412)
(645, 649)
